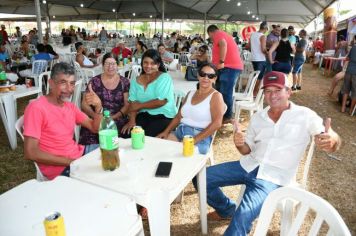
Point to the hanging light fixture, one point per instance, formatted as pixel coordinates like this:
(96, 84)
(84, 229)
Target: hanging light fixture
(238, 4)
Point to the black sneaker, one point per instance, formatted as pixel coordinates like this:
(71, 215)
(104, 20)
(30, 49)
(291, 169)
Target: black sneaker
(294, 88)
(299, 87)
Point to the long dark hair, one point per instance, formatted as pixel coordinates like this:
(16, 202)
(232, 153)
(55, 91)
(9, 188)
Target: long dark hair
(154, 55)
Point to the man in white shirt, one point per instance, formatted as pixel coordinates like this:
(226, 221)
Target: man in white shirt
(272, 148)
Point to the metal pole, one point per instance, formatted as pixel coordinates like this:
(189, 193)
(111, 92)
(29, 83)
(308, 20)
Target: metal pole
(163, 1)
(49, 20)
(204, 26)
(116, 21)
(155, 24)
(225, 24)
(38, 17)
(130, 27)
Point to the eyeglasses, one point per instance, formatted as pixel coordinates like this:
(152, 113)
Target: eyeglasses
(110, 64)
(203, 74)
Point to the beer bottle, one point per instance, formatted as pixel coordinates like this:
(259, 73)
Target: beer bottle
(108, 136)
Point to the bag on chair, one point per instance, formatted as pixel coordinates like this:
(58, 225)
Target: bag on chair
(191, 74)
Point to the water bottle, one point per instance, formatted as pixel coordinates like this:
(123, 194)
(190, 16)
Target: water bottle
(108, 136)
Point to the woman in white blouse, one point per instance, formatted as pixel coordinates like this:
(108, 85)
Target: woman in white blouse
(201, 113)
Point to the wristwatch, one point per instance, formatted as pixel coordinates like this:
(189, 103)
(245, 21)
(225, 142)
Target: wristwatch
(221, 61)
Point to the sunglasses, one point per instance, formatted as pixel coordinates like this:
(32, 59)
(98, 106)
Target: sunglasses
(203, 74)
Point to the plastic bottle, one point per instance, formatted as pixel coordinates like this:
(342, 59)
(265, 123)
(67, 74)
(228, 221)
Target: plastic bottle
(108, 143)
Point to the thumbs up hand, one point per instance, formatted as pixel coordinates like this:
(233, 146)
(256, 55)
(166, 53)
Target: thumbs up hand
(239, 138)
(91, 98)
(325, 140)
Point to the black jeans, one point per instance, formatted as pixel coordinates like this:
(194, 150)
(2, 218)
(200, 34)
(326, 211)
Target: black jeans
(152, 124)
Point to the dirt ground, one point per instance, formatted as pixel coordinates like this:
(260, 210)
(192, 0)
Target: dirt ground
(331, 179)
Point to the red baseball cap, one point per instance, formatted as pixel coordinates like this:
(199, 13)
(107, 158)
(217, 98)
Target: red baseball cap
(276, 79)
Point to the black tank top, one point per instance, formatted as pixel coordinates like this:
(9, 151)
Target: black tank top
(283, 51)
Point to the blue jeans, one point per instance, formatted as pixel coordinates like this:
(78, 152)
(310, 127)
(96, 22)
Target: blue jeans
(232, 173)
(298, 65)
(226, 86)
(261, 66)
(90, 147)
(203, 145)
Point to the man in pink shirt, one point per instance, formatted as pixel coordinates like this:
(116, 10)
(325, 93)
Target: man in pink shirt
(50, 120)
(226, 57)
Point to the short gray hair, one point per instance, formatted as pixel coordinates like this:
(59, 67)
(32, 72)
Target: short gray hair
(62, 68)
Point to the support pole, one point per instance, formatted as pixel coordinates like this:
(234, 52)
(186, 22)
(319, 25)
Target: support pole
(163, 3)
(38, 17)
(204, 33)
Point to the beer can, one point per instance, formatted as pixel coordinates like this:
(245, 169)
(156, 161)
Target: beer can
(28, 82)
(54, 225)
(188, 145)
(137, 137)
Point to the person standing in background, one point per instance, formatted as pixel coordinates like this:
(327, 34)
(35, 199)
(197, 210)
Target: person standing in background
(226, 57)
(259, 52)
(3, 36)
(272, 37)
(299, 60)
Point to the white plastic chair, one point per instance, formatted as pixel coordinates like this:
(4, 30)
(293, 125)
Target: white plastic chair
(251, 106)
(19, 129)
(286, 207)
(247, 95)
(176, 56)
(41, 78)
(38, 66)
(178, 98)
(81, 75)
(211, 151)
(353, 111)
(325, 212)
(134, 71)
(77, 99)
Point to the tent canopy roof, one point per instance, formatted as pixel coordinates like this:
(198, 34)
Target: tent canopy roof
(300, 12)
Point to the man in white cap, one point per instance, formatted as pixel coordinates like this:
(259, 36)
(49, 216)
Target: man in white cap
(272, 148)
(121, 51)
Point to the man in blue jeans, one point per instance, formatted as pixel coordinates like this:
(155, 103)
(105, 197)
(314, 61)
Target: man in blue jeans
(271, 149)
(226, 57)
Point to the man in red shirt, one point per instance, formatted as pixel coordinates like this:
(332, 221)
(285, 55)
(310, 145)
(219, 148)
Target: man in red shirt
(120, 49)
(5, 37)
(226, 57)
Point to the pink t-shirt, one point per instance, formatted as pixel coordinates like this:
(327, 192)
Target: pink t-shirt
(232, 59)
(54, 126)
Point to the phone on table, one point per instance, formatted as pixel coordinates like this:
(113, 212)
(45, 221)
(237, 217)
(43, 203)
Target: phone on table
(163, 169)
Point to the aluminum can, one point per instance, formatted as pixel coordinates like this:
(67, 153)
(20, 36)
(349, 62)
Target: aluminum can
(137, 137)
(54, 225)
(28, 83)
(194, 63)
(188, 145)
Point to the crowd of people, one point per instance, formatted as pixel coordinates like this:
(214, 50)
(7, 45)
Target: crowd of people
(281, 129)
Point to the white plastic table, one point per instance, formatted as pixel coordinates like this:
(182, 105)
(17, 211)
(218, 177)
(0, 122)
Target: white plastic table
(135, 177)
(182, 84)
(87, 210)
(8, 109)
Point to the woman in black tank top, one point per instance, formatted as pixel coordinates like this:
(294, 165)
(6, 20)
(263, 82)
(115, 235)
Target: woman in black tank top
(283, 49)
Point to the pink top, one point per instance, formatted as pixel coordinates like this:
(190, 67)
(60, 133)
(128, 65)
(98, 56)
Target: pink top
(232, 59)
(54, 126)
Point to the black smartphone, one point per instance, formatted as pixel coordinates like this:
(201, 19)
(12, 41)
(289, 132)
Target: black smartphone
(163, 169)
